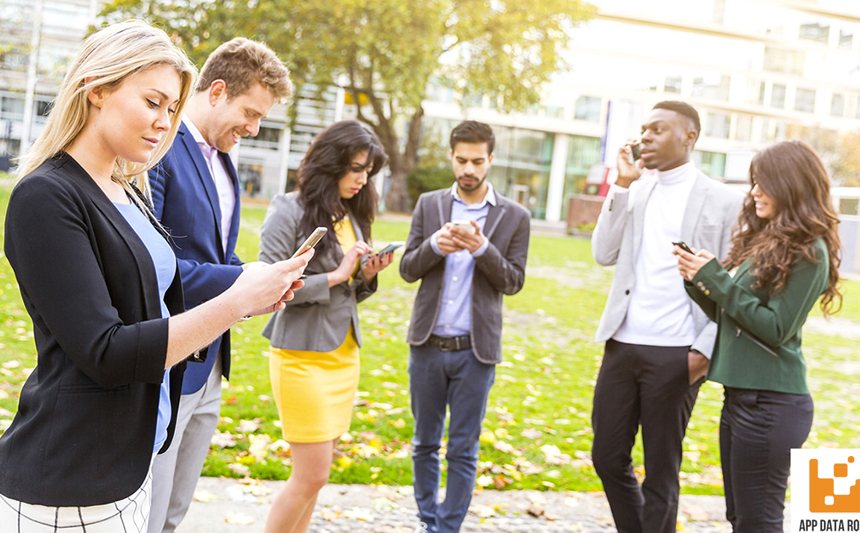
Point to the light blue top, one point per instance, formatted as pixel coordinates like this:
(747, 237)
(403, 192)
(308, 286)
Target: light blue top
(455, 316)
(165, 269)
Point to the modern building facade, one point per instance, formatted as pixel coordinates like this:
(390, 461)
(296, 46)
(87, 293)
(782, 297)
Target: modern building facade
(753, 68)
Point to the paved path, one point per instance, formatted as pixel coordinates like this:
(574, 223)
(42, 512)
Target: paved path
(229, 506)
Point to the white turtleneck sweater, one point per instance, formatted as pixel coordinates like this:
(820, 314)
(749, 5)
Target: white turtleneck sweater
(659, 313)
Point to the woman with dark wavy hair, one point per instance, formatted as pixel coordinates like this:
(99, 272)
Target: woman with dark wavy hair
(784, 258)
(314, 361)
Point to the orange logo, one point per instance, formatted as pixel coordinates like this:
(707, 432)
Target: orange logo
(822, 496)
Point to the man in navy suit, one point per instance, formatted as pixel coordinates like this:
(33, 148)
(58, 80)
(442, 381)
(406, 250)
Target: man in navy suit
(195, 191)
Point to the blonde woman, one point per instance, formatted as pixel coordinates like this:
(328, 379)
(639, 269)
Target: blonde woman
(100, 283)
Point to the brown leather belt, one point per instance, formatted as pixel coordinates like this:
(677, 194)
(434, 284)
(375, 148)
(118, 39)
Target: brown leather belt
(450, 344)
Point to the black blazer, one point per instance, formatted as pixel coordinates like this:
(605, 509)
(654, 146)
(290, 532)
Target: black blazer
(85, 426)
(501, 270)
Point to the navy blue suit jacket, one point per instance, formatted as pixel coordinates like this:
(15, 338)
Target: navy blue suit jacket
(186, 203)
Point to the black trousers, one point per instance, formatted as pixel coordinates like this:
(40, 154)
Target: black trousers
(758, 429)
(647, 386)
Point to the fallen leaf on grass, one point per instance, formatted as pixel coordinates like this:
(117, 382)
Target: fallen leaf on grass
(248, 426)
(239, 469)
(223, 440)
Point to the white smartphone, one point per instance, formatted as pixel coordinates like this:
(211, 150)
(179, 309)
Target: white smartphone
(311, 241)
(464, 225)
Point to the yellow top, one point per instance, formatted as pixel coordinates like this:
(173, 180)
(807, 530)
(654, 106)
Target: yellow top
(346, 237)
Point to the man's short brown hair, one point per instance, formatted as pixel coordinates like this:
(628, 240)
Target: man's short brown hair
(240, 63)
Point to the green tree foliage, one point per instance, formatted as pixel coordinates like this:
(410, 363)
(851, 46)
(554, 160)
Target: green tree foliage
(385, 52)
(837, 150)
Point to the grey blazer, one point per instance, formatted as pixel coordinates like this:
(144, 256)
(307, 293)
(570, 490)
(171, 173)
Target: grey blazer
(317, 319)
(500, 270)
(711, 214)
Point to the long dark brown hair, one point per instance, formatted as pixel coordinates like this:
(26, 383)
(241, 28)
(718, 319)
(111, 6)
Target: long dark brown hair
(326, 162)
(793, 176)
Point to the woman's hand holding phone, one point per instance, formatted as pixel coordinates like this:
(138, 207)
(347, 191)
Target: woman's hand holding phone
(348, 264)
(262, 289)
(690, 261)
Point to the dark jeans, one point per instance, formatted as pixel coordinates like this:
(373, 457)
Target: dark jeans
(438, 380)
(758, 429)
(647, 386)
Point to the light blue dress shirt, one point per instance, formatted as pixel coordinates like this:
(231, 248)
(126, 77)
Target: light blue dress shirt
(165, 269)
(455, 316)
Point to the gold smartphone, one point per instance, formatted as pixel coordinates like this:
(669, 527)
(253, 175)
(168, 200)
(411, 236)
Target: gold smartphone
(311, 241)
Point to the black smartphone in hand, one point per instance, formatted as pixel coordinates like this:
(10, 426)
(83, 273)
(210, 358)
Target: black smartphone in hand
(682, 245)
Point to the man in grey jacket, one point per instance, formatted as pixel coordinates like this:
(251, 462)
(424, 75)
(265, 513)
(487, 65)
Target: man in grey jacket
(468, 246)
(658, 342)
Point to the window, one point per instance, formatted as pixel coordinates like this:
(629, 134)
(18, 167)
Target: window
(43, 107)
(744, 128)
(846, 39)
(711, 163)
(554, 111)
(815, 32)
(672, 84)
(784, 61)
(848, 206)
(12, 106)
(718, 125)
(587, 108)
(804, 100)
(777, 96)
(761, 93)
(837, 105)
(714, 86)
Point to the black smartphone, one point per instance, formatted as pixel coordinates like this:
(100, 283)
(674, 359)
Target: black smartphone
(636, 151)
(682, 245)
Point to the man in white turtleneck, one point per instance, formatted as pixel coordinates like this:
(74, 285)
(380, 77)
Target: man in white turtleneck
(658, 342)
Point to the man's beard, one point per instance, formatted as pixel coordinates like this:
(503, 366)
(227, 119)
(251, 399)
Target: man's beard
(474, 187)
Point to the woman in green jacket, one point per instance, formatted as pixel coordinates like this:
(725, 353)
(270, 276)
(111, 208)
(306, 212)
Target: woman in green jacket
(784, 257)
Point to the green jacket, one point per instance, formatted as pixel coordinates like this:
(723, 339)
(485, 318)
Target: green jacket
(758, 341)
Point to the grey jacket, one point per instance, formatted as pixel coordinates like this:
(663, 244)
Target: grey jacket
(499, 271)
(319, 316)
(710, 216)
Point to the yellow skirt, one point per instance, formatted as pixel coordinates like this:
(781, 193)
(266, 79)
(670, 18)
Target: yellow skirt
(314, 391)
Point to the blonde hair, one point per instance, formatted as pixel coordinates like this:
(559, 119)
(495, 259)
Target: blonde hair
(240, 63)
(107, 57)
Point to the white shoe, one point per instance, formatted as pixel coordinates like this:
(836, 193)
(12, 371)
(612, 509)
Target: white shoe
(422, 528)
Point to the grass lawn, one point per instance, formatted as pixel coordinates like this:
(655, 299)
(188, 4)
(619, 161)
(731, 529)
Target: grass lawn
(537, 432)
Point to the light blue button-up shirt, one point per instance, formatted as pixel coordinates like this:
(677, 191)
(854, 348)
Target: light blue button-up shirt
(455, 317)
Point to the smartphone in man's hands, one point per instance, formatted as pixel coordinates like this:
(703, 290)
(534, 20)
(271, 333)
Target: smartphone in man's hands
(464, 225)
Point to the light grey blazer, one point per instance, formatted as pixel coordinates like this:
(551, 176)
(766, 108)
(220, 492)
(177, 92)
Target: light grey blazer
(710, 216)
(318, 318)
(500, 270)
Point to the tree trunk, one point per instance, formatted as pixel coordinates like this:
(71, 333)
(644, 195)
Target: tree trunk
(402, 164)
(397, 200)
